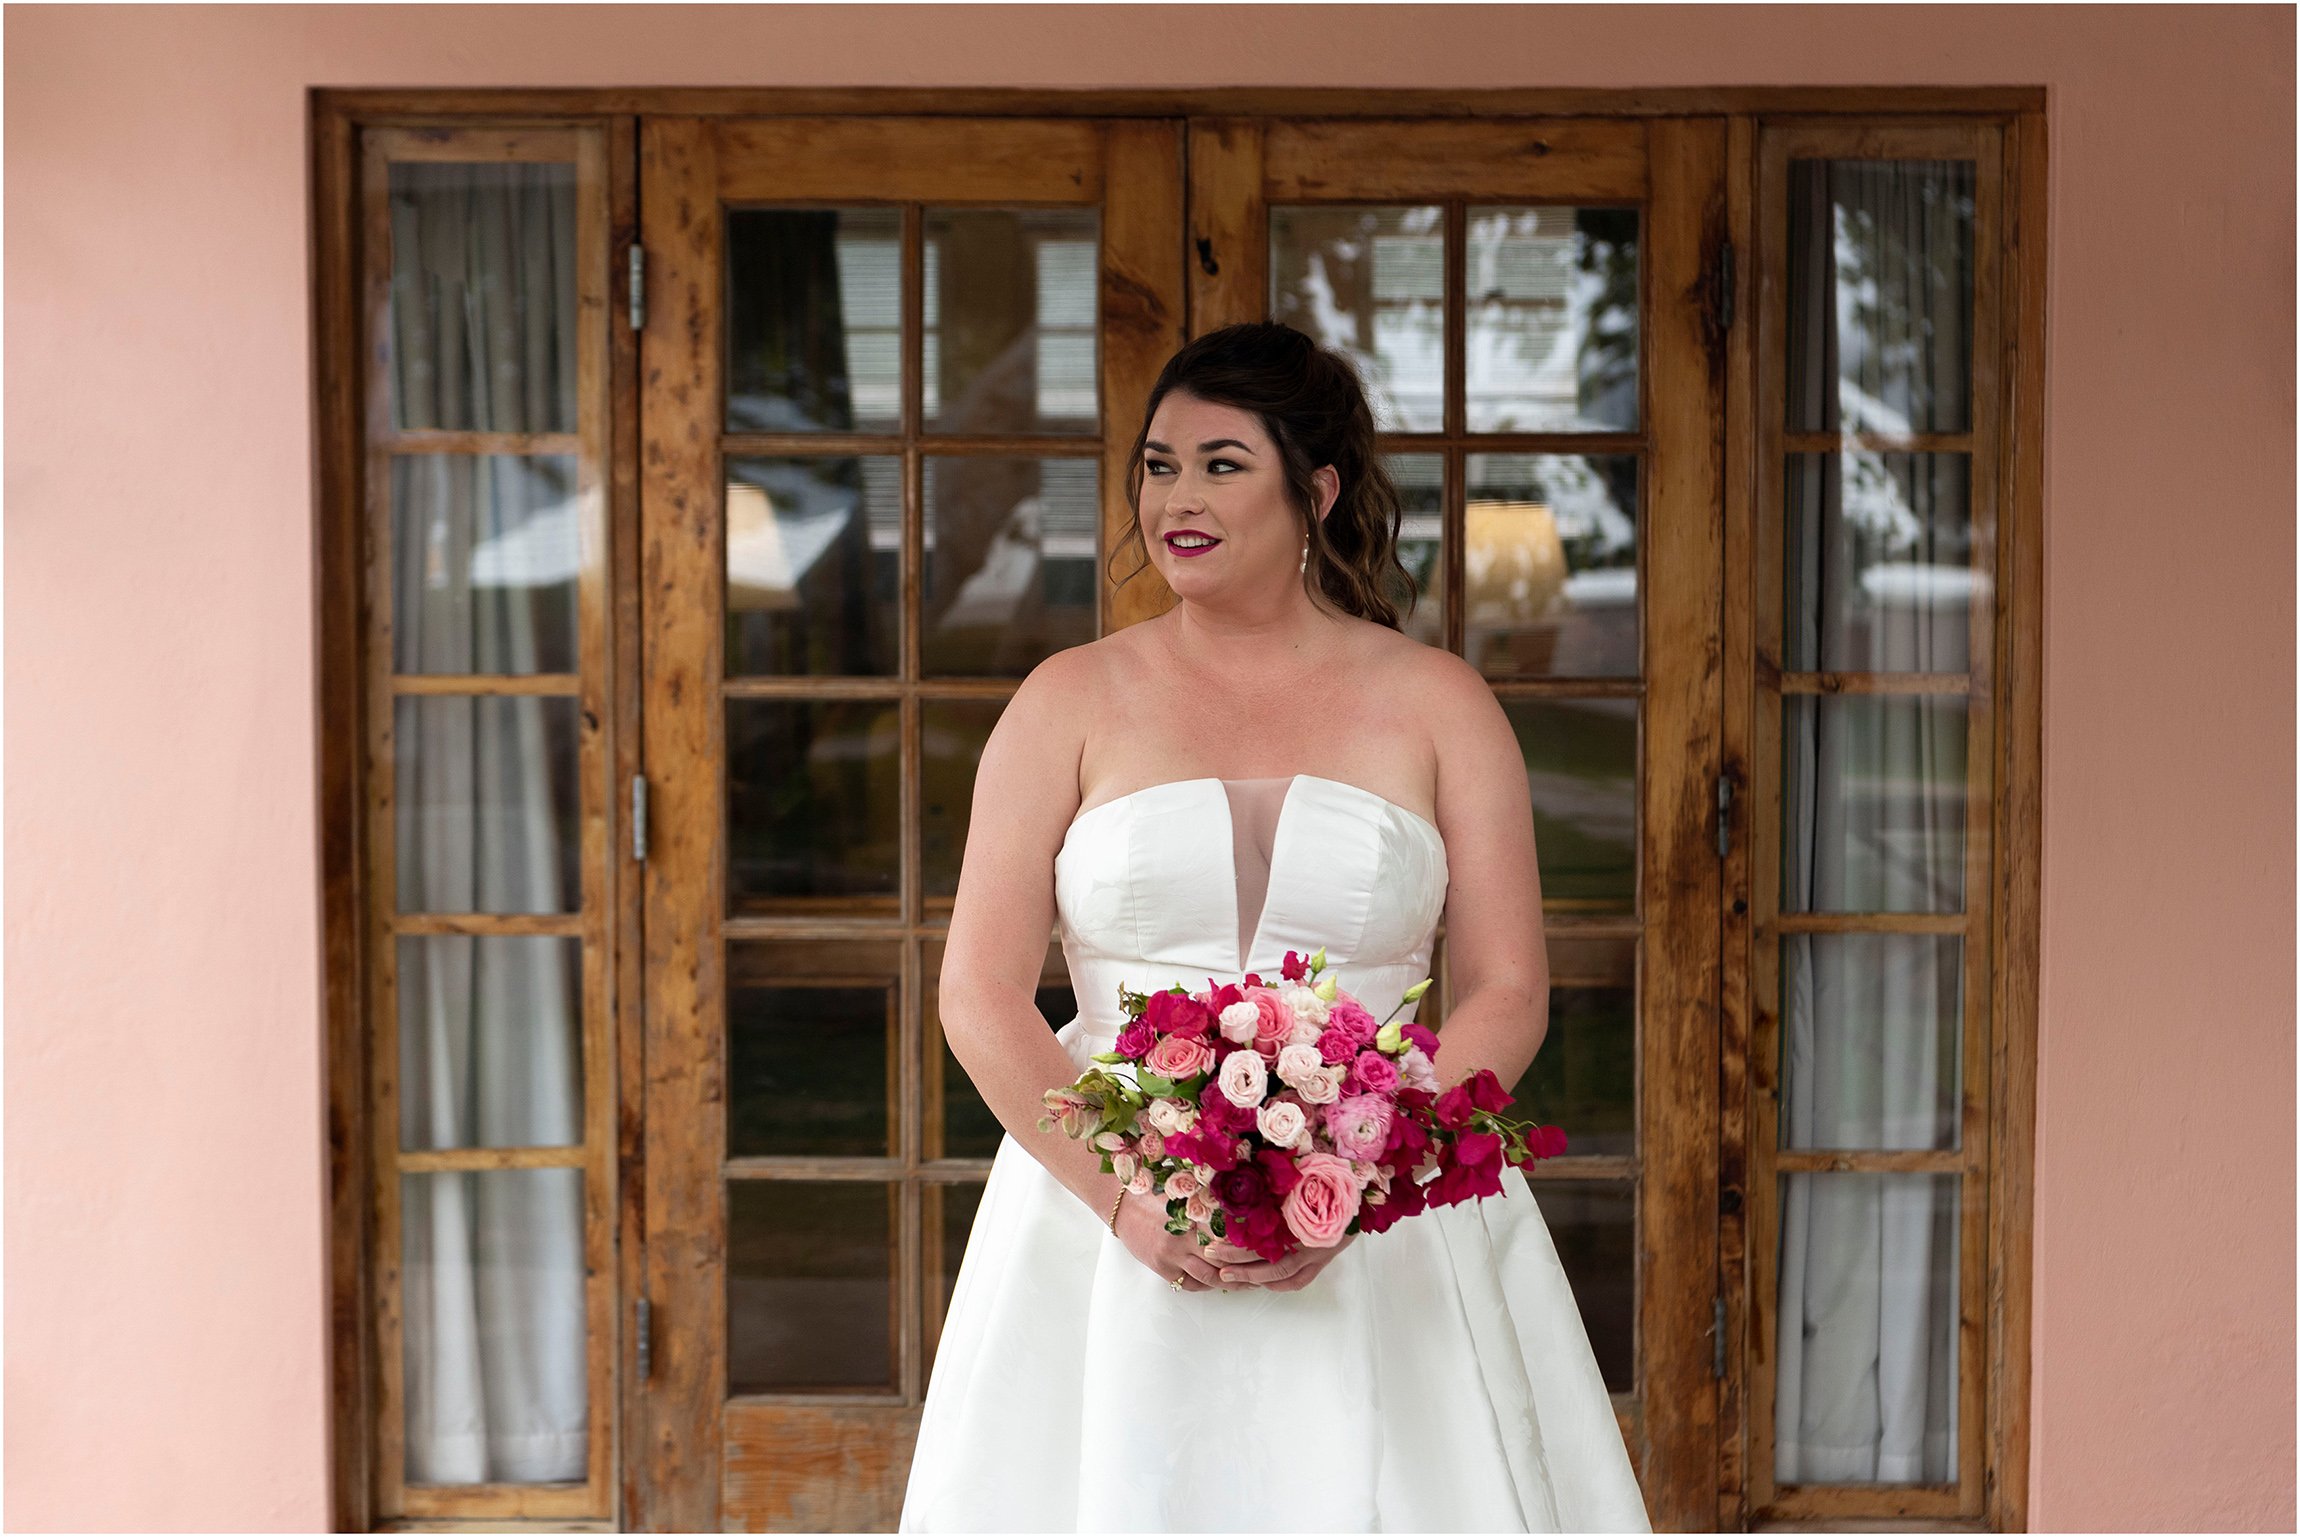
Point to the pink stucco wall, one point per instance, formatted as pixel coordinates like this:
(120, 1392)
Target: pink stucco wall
(165, 1306)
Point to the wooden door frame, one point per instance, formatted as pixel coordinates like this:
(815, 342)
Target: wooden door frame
(335, 120)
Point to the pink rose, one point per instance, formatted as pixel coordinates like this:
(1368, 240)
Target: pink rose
(1323, 1200)
(1134, 1040)
(1177, 1057)
(1376, 1074)
(1275, 1021)
(1346, 1013)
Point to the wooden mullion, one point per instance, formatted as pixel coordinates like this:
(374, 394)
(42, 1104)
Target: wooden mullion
(682, 595)
(568, 925)
(1873, 683)
(1679, 872)
(463, 684)
(819, 445)
(1871, 923)
(1141, 300)
(1339, 160)
(1880, 442)
(463, 1160)
(435, 440)
(1228, 240)
(544, 142)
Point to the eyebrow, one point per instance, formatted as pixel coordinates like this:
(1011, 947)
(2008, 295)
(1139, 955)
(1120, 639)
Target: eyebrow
(1204, 448)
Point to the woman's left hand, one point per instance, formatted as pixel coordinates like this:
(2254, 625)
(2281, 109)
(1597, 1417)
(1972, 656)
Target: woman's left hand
(1243, 1267)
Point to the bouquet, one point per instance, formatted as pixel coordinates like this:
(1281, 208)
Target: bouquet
(1274, 1117)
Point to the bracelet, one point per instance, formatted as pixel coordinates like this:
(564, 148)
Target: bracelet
(1114, 1205)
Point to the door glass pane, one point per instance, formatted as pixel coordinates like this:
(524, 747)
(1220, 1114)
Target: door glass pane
(1872, 1029)
(1420, 481)
(483, 296)
(1581, 766)
(1594, 1226)
(491, 1326)
(1010, 316)
(1880, 295)
(958, 1123)
(485, 549)
(1866, 1384)
(812, 1034)
(814, 566)
(1551, 558)
(1873, 803)
(951, 733)
(814, 319)
(490, 1041)
(1010, 563)
(1550, 341)
(810, 1285)
(485, 800)
(813, 815)
(1878, 562)
(1369, 282)
(950, 1212)
(1584, 1078)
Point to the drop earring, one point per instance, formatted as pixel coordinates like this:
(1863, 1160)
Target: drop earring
(1305, 565)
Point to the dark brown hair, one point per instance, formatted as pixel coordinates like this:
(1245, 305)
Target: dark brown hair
(1313, 406)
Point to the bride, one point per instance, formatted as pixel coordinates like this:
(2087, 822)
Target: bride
(1273, 738)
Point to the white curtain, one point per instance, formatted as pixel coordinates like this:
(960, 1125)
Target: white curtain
(1877, 565)
(490, 1028)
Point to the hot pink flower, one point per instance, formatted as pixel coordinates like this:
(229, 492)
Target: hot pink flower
(1375, 1073)
(1359, 1125)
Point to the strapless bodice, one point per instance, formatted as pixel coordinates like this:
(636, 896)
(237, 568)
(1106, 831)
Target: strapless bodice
(1147, 889)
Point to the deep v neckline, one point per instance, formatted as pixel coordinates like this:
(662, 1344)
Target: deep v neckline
(1278, 845)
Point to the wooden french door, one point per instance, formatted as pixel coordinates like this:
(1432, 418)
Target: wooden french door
(890, 370)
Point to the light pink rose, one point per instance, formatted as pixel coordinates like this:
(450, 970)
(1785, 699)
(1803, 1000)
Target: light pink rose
(1283, 1124)
(1323, 1086)
(1244, 1079)
(1200, 1206)
(1304, 1034)
(1178, 1056)
(1181, 1182)
(1170, 1115)
(1323, 1201)
(1142, 1183)
(1294, 1061)
(1274, 1020)
(1153, 1143)
(1240, 1021)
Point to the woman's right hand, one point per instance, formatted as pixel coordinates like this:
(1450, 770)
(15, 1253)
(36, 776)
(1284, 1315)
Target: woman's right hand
(1142, 1229)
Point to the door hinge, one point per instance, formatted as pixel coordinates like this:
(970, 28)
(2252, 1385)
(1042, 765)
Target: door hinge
(1717, 1336)
(1725, 286)
(1724, 815)
(638, 286)
(639, 818)
(645, 1331)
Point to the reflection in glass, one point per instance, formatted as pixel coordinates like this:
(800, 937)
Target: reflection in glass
(1866, 1386)
(1594, 1225)
(1581, 766)
(483, 296)
(1880, 313)
(814, 319)
(1872, 1028)
(490, 1041)
(1873, 803)
(810, 1270)
(814, 566)
(1552, 565)
(811, 1031)
(1584, 1077)
(1551, 322)
(1878, 573)
(1369, 282)
(492, 1326)
(1010, 319)
(1420, 481)
(484, 797)
(813, 821)
(1010, 563)
(951, 734)
(485, 549)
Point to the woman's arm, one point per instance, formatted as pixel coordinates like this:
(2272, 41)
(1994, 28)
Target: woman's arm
(1025, 793)
(1497, 1004)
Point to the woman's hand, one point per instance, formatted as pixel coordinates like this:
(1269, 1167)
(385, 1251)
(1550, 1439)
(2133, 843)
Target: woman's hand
(1142, 1229)
(1243, 1267)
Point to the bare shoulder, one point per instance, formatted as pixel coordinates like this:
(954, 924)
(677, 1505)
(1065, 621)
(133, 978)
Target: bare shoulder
(1479, 764)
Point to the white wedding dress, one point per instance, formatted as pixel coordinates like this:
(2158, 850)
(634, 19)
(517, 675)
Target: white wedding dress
(1434, 1377)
